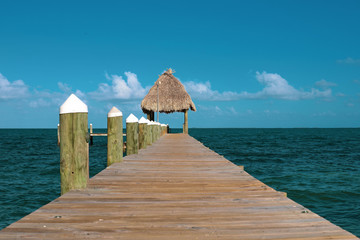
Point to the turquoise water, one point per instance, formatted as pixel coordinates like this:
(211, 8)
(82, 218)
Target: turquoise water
(318, 168)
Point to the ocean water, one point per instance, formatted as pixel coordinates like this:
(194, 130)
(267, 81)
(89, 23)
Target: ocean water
(318, 168)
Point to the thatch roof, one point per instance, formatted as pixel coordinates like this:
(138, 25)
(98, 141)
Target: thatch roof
(172, 96)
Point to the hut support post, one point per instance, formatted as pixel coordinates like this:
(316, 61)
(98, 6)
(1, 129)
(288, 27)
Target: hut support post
(114, 136)
(186, 128)
(150, 116)
(132, 135)
(74, 145)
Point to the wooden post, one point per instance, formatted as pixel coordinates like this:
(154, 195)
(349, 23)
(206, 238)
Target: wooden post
(149, 133)
(58, 135)
(74, 146)
(158, 130)
(146, 132)
(168, 128)
(91, 137)
(132, 135)
(186, 128)
(150, 116)
(142, 133)
(114, 136)
(153, 131)
(163, 129)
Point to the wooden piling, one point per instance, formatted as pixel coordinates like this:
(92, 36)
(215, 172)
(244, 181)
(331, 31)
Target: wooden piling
(148, 133)
(142, 133)
(132, 135)
(158, 130)
(58, 134)
(148, 137)
(163, 129)
(186, 127)
(153, 131)
(74, 147)
(114, 136)
(91, 137)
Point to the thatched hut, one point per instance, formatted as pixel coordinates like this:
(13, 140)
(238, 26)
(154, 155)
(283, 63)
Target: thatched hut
(166, 96)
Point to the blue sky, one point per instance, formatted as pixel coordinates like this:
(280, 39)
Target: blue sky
(244, 63)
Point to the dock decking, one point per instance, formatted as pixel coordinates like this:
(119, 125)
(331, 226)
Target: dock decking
(175, 189)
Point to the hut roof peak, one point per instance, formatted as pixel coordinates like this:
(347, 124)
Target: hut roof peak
(172, 95)
(170, 71)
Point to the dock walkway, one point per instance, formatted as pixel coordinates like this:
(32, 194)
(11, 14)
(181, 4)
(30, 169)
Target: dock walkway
(175, 189)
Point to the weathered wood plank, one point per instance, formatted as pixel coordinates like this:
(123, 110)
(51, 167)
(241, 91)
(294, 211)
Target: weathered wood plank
(174, 189)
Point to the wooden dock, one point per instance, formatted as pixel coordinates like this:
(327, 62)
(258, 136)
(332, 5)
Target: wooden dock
(175, 189)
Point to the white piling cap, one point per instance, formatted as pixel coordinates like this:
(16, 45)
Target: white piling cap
(142, 120)
(131, 119)
(73, 105)
(163, 125)
(151, 123)
(114, 112)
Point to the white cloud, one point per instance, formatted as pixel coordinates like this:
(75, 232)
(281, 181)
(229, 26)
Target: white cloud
(203, 91)
(80, 95)
(325, 84)
(12, 90)
(64, 87)
(47, 98)
(232, 110)
(41, 102)
(128, 89)
(274, 87)
(278, 87)
(218, 110)
(349, 60)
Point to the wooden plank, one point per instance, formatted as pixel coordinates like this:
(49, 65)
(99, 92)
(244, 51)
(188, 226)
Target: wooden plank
(98, 134)
(174, 189)
(102, 134)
